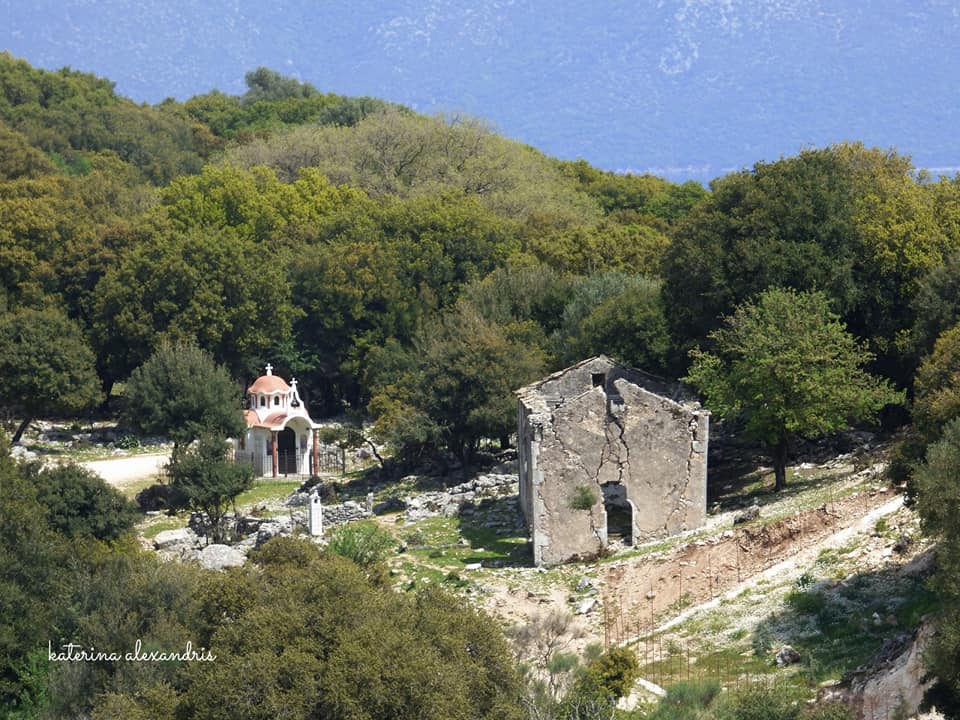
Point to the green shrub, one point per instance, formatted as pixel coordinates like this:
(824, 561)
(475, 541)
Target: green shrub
(762, 641)
(584, 498)
(807, 602)
(415, 537)
(830, 711)
(363, 542)
(686, 700)
(79, 503)
(453, 579)
(285, 551)
(561, 662)
(128, 442)
(615, 671)
(761, 702)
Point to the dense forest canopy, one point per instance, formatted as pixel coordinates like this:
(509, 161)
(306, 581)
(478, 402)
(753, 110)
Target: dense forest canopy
(353, 243)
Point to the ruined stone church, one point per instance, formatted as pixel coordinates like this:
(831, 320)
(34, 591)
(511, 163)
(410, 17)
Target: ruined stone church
(607, 451)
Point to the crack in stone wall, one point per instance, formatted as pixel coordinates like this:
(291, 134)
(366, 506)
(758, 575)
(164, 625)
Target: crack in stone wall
(615, 432)
(561, 451)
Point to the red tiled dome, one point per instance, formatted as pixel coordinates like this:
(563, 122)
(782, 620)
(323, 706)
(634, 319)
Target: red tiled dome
(269, 384)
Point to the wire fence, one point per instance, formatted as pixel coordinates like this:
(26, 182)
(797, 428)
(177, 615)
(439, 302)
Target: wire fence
(666, 661)
(293, 464)
(633, 613)
(641, 595)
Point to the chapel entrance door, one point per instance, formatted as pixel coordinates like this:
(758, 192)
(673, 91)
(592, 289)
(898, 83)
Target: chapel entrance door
(287, 452)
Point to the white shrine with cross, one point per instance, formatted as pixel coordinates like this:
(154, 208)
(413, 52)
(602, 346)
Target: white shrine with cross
(281, 439)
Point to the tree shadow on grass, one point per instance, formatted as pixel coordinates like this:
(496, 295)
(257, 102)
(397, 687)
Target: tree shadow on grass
(764, 493)
(496, 525)
(743, 475)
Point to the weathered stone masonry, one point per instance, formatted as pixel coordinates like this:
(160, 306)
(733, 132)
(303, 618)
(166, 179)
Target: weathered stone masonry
(605, 448)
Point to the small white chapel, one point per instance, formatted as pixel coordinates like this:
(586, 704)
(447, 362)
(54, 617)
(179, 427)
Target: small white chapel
(281, 439)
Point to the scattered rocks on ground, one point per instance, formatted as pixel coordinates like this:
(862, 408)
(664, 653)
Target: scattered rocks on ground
(786, 655)
(344, 513)
(297, 499)
(586, 606)
(250, 524)
(333, 514)
(19, 452)
(247, 544)
(450, 502)
(218, 557)
(751, 513)
(903, 544)
(275, 528)
(393, 504)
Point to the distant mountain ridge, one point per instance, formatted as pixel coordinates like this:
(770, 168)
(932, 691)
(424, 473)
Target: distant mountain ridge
(681, 88)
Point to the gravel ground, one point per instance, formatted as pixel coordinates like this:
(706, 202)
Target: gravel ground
(123, 471)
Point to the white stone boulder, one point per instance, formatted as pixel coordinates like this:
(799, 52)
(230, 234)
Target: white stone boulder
(172, 538)
(586, 606)
(218, 557)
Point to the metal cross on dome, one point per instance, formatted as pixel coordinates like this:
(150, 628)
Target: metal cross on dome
(269, 369)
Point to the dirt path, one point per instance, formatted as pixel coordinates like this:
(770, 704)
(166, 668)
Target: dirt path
(123, 471)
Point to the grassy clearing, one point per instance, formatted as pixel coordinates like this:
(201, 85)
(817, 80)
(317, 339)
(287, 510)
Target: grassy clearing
(411, 576)
(849, 621)
(266, 491)
(83, 453)
(667, 662)
(837, 612)
(452, 543)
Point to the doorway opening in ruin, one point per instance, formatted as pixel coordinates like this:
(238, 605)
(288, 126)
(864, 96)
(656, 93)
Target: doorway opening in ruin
(619, 513)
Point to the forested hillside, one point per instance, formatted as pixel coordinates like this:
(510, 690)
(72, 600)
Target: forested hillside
(413, 270)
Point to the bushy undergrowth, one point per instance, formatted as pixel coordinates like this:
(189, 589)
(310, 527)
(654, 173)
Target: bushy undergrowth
(705, 700)
(363, 542)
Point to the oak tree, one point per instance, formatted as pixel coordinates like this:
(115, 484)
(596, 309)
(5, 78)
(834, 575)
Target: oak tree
(787, 366)
(182, 393)
(209, 479)
(46, 366)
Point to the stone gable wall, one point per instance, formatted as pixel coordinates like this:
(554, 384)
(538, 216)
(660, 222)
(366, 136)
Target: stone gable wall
(581, 434)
